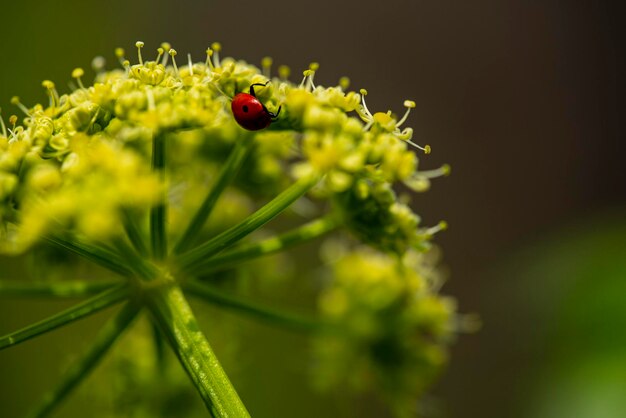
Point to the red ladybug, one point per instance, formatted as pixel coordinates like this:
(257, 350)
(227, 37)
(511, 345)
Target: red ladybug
(250, 113)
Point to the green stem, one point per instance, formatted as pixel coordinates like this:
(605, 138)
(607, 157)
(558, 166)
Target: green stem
(98, 255)
(134, 233)
(248, 225)
(269, 246)
(158, 213)
(86, 308)
(82, 367)
(224, 300)
(178, 323)
(64, 289)
(226, 175)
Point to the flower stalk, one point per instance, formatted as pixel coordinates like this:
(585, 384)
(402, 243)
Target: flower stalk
(86, 308)
(64, 289)
(253, 310)
(226, 175)
(282, 242)
(81, 368)
(253, 222)
(158, 213)
(134, 234)
(94, 253)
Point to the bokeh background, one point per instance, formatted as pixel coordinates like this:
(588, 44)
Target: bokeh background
(524, 99)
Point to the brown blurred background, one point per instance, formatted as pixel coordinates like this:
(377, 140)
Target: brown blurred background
(524, 99)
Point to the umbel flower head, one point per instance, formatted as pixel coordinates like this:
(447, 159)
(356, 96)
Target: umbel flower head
(147, 173)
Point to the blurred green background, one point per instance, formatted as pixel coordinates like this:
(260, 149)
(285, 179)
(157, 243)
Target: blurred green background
(523, 99)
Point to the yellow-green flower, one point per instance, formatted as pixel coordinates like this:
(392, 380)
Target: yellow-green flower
(146, 173)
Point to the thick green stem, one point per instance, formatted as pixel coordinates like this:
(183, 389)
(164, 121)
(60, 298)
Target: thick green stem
(248, 225)
(86, 308)
(81, 368)
(226, 175)
(178, 323)
(98, 255)
(268, 246)
(65, 289)
(158, 213)
(279, 317)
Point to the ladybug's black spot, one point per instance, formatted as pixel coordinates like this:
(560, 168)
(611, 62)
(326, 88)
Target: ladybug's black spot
(245, 108)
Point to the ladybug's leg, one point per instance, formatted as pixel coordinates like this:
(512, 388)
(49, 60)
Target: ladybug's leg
(275, 116)
(256, 84)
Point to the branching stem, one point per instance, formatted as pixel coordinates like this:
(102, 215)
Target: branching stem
(253, 222)
(236, 304)
(98, 255)
(134, 233)
(158, 213)
(226, 175)
(62, 289)
(302, 234)
(86, 308)
(81, 368)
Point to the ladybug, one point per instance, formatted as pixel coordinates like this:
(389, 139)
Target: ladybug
(250, 113)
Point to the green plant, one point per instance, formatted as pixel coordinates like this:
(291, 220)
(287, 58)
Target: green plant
(146, 174)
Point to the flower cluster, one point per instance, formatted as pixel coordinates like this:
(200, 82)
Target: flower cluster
(398, 326)
(84, 166)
